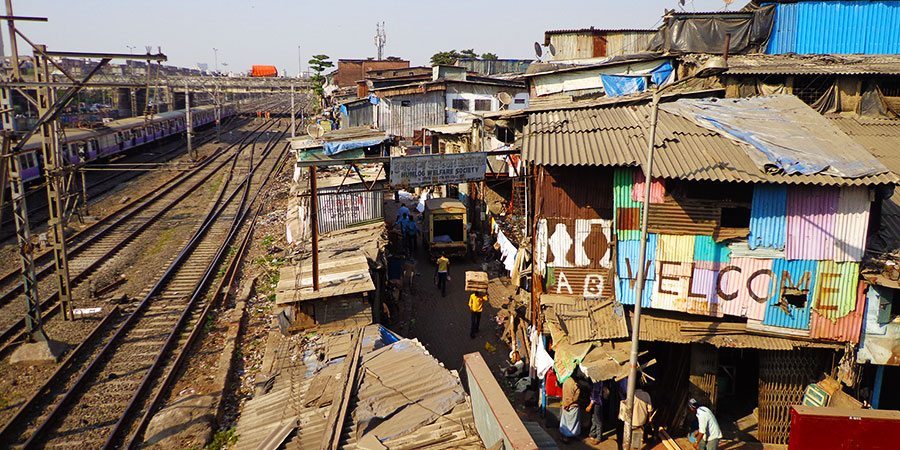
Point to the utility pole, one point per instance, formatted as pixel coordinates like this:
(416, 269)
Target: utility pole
(293, 115)
(299, 63)
(380, 39)
(188, 122)
(54, 176)
(216, 53)
(314, 224)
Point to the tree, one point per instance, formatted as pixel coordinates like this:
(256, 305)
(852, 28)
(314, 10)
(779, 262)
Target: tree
(318, 64)
(450, 57)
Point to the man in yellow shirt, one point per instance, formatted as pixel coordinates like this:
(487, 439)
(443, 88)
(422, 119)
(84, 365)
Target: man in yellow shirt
(443, 274)
(476, 306)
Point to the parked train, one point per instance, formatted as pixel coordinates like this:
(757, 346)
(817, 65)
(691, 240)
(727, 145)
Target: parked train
(117, 136)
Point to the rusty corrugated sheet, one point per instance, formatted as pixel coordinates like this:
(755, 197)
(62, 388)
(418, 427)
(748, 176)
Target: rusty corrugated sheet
(575, 192)
(615, 136)
(588, 282)
(585, 320)
(682, 216)
(791, 276)
(851, 224)
(578, 242)
(702, 297)
(657, 188)
(844, 329)
(627, 212)
(768, 215)
(810, 222)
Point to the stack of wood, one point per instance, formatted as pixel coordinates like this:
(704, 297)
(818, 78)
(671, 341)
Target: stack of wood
(476, 281)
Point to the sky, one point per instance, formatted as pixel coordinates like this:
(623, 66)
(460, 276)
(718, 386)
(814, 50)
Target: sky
(248, 32)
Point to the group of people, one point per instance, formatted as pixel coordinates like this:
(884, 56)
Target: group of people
(409, 229)
(607, 399)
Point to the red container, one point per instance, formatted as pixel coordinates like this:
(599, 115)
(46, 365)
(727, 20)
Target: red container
(264, 71)
(814, 428)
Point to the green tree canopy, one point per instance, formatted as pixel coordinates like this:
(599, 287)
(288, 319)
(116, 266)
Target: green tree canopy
(449, 57)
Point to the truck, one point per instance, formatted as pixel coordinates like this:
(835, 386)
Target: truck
(444, 227)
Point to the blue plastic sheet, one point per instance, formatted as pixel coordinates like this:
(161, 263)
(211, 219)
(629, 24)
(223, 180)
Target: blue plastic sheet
(618, 85)
(333, 148)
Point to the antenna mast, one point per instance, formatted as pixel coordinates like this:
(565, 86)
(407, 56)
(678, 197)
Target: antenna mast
(380, 39)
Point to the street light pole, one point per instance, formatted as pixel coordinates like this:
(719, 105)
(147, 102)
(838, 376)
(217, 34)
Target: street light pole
(299, 63)
(712, 67)
(216, 58)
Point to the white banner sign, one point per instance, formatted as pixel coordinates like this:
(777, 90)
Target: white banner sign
(428, 170)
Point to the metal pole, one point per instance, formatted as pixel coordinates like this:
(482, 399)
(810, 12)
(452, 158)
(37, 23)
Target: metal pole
(314, 225)
(216, 53)
(642, 275)
(54, 177)
(299, 63)
(293, 114)
(188, 121)
(13, 45)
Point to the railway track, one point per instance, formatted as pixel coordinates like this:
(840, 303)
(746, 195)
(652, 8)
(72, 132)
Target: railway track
(102, 396)
(104, 239)
(36, 195)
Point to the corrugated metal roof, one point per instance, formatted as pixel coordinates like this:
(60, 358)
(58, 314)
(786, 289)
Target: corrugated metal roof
(680, 328)
(615, 136)
(585, 320)
(344, 257)
(406, 397)
(809, 27)
(796, 64)
(452, 128)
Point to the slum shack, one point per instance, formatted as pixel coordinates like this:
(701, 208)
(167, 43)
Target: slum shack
(351, 263)
(445, 227)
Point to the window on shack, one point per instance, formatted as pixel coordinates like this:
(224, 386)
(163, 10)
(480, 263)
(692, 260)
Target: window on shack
(811, 89)
(460, 104)
(483, 105)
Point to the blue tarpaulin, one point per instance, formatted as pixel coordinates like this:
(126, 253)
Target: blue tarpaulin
(784, 134)
(618, 85)
(333, 148)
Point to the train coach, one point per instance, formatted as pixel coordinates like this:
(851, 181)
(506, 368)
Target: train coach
(117, 136)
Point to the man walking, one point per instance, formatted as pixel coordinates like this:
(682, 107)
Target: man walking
(476, 306)
(596, 410)
(708, 432)
(443, 274)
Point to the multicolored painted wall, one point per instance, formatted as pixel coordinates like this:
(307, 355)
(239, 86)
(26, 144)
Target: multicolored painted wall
(793, 270)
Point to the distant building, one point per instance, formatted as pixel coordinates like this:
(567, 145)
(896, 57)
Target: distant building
(587, 43)
(349, 71)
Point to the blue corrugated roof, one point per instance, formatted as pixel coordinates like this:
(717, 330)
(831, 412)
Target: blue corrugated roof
(843, 27)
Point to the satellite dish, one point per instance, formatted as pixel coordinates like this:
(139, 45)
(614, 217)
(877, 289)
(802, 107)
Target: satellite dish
(315, 130)
(505, 98)
(538, 50)
(552, 50)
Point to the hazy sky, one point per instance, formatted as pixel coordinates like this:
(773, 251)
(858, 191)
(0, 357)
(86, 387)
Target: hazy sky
(250, 32)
